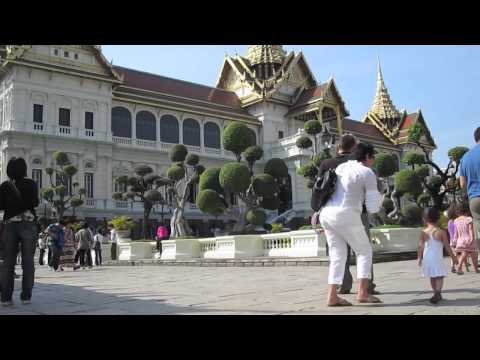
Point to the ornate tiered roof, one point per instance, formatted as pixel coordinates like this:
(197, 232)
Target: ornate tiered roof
(382, 103)
(265, 54)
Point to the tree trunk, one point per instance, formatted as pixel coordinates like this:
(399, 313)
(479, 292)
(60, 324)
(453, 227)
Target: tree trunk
(147, 208)
(395, 214)
(178, 225)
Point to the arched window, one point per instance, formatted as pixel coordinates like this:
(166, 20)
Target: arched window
(146, 126)
(121, 122)
(169, 132)
(191, 132)
(253, 136)
(211, 135)
(328, 114)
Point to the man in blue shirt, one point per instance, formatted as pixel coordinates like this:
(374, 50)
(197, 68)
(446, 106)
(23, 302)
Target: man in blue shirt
(470, 178)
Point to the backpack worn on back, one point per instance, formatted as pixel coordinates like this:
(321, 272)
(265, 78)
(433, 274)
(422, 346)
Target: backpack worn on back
(323, 189)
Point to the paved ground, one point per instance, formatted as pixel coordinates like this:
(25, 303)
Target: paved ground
(220, 290)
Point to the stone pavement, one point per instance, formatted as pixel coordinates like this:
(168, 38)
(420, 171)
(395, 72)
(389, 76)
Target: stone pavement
(232, 290)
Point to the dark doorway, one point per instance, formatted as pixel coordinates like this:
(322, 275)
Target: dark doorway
(285, 195)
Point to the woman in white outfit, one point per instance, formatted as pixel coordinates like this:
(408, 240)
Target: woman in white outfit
(341, 220)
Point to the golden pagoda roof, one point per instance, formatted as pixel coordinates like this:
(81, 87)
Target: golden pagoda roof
(265, 54)
(382, 104)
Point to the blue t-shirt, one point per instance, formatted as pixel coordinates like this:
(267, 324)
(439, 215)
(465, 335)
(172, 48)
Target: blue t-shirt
(470, 169)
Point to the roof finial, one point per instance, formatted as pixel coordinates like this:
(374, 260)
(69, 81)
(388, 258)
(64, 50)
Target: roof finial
(379, 69)
(382, 104)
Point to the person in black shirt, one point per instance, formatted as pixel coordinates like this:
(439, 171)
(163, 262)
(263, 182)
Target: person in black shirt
(18, 199)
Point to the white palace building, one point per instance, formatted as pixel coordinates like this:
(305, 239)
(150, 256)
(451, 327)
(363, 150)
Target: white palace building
(110, 119)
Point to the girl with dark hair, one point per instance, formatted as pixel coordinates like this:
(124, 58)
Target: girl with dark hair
(452, 215)
(430, 252)
(18, 199)
(465, 239)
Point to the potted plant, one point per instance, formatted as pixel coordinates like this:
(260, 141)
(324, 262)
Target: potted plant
(123, 225)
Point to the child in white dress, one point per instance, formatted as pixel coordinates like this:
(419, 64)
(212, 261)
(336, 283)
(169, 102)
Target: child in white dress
(430, 252)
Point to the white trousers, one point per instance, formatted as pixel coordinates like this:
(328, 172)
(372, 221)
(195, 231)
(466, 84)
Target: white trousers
(344, 227)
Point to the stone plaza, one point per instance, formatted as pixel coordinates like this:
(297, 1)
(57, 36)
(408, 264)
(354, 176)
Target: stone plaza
(192, 290)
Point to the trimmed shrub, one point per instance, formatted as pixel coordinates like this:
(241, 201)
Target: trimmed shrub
(457, 153)
(424, 199)
(192, 159)
(308, 170)
(407, 181)
(253, 153)
(256, 217)
(199, 169)
(60, 158)
(236, 138)
(70, 170)
(313, 127)
(387, 204)
(386, 164)
(412, 215)
(276, 168)
(178, 153)
(304, 142)
(151, 178)
(142, 170)
(235, 177)
(270, 203)
(175, 172)
(318, 159)
(434, 181)
(265, 185)
(210, 180)
(422, 171)
(413, 158)
(209, 201)
(153, 195)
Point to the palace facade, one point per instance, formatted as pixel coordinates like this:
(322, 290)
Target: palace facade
(109, 118)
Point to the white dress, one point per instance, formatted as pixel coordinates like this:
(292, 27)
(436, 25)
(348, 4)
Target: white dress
(433, 264)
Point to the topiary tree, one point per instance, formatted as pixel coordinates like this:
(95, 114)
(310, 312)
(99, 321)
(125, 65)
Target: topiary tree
(62, 194)
(142, 187)
(183, 173)
(386, 165)
(309, 141)
(442, 183)
(257, 192)
(411, 215)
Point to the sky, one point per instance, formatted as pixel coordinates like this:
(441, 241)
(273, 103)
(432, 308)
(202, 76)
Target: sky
(442, 81)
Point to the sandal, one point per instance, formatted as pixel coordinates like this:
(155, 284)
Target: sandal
(459, 272)
(340, 302)
(370, 300)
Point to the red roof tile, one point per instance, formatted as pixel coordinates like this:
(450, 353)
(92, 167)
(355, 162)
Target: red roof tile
(146, 81)
(311, 94)
(364, 129)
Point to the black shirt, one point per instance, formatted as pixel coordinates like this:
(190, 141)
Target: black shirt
(11, 204)
(333, 163)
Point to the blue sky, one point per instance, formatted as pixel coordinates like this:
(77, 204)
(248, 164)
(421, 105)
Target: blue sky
(441, 80)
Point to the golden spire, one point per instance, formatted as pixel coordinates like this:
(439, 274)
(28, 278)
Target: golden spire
(265, 54)
(382, 104)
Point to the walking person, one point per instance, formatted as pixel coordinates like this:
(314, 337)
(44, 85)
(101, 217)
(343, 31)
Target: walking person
(98, 240)
(470, 179)
(430, 252)
(465, 238)
(114, 241)
(67, 259)
(83, 238)
(162, 234)
(57, 234)
(344, 150)
(341, 219)
(18, 199)
(42, 245)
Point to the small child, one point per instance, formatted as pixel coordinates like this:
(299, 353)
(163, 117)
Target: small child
(465, 237)
(452, 215)
(430, 252)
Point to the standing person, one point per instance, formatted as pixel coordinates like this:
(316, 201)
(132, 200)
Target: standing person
(42, 245)
(84, 239)
(57, 234)
(470, 179)
(341, 218)
(67, 259)
(162, 234)
(18, 199)
(452, 215)
(98, 240)
(430, 252)
(114, 240)
(465, 239)
(90, 248)
(344, 150)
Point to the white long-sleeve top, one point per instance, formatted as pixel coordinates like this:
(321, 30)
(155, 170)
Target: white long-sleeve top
(356, 185)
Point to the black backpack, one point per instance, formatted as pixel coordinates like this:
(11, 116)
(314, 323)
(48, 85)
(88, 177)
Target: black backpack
(323, 189)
